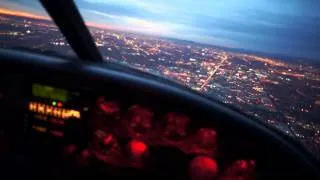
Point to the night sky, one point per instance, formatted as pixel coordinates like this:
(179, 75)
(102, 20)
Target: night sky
(289, 27)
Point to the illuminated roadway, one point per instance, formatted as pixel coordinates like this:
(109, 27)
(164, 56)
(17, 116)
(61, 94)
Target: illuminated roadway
(223, 59)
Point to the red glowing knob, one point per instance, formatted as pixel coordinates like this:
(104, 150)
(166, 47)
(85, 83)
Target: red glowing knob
(107, 139)
(109, 107)
(242, 164)
(137, 149)
(203, 168)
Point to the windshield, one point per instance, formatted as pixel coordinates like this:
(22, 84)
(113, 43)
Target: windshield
(25, 25)
(259, 56)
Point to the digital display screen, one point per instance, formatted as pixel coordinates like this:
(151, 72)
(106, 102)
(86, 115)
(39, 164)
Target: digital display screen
(53, 111)
(49, 92)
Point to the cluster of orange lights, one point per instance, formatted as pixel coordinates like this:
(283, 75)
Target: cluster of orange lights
(57, 112)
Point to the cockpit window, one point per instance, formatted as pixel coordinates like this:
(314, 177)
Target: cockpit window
(25, 26)
(259, 56)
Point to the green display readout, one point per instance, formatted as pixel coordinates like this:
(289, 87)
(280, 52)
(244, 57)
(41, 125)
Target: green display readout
(49, 92)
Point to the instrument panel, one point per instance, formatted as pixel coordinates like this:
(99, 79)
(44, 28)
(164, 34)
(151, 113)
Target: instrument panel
(96, 123)
(120, 134)
(141, 128)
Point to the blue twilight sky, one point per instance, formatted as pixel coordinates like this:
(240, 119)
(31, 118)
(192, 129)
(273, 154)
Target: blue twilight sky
(289, 27)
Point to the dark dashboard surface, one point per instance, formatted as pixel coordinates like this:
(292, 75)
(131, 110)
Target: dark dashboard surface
(121, 125)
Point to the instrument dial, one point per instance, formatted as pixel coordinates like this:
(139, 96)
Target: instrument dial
(108, 107)
(106, 142)
(203, 168)
(140, 120)
(176, 126)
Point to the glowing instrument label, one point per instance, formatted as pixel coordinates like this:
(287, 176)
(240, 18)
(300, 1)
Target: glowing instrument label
(53, 111)
(39, 128)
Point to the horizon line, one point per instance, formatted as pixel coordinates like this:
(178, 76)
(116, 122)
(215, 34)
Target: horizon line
(106, 27)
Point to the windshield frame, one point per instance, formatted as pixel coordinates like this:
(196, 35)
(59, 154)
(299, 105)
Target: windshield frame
(67, 17)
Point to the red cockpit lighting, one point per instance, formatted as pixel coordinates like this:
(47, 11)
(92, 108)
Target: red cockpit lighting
(109, 107)
(207, 137)
(245, 165)
(242, 164)
(140, 119)
(176, 126)
(137, 148)
(203, 168)
(108, 139)
(240, 169)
